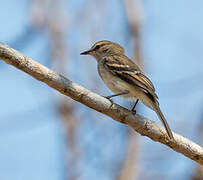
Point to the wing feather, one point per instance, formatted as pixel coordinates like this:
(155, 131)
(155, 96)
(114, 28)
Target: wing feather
(129, 72)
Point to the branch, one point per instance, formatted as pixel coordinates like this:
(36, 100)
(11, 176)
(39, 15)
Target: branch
(65, 86)
(198, 174)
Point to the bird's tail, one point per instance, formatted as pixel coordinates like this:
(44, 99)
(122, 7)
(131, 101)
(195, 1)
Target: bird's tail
(163, 119)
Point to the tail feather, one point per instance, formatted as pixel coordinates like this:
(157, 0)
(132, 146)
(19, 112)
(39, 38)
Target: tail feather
(163, 119)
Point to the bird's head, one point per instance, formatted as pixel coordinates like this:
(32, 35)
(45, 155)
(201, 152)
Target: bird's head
(104, 48)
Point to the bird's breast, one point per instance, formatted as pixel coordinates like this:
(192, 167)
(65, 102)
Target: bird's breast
(117, 85)
(114, 83)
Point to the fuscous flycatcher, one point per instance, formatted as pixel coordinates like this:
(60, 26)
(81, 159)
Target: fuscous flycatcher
(124, 77)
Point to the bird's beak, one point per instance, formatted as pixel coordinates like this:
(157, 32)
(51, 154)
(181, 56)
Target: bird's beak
(86, 52)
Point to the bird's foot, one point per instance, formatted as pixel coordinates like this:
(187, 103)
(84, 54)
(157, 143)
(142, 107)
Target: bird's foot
(109, 98)
(133, 111)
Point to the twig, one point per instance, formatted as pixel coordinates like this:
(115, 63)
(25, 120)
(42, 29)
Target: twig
(65, 86)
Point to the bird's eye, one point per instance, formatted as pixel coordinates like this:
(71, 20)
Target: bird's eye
(97, 47)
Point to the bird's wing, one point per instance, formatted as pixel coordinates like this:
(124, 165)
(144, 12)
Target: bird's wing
(128, 71)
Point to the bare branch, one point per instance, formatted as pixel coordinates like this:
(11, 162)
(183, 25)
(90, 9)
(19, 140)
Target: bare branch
(198, 174)
(65, 86)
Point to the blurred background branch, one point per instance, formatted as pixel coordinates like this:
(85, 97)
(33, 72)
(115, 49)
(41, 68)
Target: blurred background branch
(135, 16)
(131, 163)
(49, 14)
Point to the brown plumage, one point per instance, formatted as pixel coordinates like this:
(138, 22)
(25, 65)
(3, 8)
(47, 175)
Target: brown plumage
(124, 77)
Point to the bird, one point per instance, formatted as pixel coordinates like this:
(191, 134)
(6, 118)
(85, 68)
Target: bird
(124, 78)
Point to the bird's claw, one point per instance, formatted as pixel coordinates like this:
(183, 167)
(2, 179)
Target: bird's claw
(133, 111)
(109, 98)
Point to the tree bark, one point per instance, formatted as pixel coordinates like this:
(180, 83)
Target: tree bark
(65, 86)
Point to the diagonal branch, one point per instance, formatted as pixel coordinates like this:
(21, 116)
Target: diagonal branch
(65, 86)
